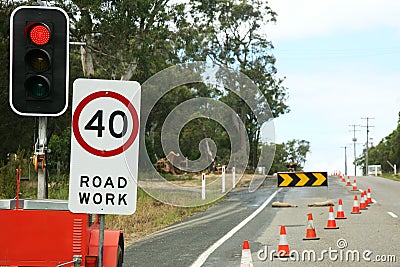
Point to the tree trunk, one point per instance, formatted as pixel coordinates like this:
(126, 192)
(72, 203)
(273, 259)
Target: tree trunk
(86, 57)
(130, 71)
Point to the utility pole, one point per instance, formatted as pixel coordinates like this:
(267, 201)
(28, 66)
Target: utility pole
(354, 145)
(345, 160)
(366, 150)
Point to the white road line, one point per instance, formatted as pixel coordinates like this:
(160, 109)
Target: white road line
(392, 214)
(203, 257)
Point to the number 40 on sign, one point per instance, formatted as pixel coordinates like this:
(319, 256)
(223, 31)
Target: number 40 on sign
(104, 146)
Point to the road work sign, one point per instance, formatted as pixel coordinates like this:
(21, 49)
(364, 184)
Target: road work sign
(104, 146)
(302, 179)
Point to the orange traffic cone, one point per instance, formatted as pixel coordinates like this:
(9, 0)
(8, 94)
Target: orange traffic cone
(283, 247)
(354, 186)
(369, 199)
(310, 233)
(246, 260)
(363, 205)
(356, 208)
(340, 212)
(366, 199)
(331, 221)
(348, 181)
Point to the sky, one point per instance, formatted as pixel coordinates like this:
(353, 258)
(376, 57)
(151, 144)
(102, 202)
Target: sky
(341, 60)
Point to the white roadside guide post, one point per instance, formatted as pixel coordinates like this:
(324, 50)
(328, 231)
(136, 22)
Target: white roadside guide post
(104, 149)
(203, 186)
(223, 179)
(233, 177)
(393, 166)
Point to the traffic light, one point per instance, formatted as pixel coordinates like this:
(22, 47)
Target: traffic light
(39, 61)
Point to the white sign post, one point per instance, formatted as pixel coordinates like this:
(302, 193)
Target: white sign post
(233, 177)
(104, 146)
(223, 179)
(203, 186)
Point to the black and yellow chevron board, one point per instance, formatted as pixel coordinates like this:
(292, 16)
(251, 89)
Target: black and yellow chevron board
(302, 179)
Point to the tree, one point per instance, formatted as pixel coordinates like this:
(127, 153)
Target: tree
(231, 33)
(293, 151)
(388, 149)
(60, 151)
(278, 164)
(125, 39)
(297, 151)
(134, 39)
(15, 131)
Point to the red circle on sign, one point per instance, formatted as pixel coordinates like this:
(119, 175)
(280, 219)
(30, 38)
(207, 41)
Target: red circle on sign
(89, 148)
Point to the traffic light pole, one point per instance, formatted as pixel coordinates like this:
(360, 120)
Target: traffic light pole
(40, 147)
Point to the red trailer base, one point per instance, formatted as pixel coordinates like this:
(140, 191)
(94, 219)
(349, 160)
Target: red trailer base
(46, 233)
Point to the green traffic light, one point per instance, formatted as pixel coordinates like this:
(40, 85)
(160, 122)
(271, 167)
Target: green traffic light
(37, 86)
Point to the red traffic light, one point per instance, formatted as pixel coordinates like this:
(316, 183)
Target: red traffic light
(38, 33)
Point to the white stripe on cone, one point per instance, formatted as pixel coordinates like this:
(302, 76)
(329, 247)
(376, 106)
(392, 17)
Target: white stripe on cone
(246, 260)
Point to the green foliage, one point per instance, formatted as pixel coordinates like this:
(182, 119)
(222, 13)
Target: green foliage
(170, 177)
(15, 131)
(134, 39)
(8, 178)
(391, 176)
(59, 156)
(58, 189)
(278, 164)
(388, 149)
(297, 150)
(294, 151)
(232, 34)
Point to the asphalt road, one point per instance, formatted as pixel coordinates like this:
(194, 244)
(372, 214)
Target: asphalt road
(374, 234)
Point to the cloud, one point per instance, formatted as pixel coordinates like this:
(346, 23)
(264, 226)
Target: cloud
(308, 18)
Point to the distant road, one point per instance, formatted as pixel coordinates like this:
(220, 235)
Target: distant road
(376, 229)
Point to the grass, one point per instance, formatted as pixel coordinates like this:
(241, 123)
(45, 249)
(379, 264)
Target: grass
(391, 177)
(170, 177)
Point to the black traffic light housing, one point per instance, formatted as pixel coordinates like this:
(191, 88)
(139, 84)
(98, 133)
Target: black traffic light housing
(39, 61)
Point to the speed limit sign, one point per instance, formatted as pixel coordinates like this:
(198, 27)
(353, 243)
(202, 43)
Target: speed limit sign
(104, 146)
